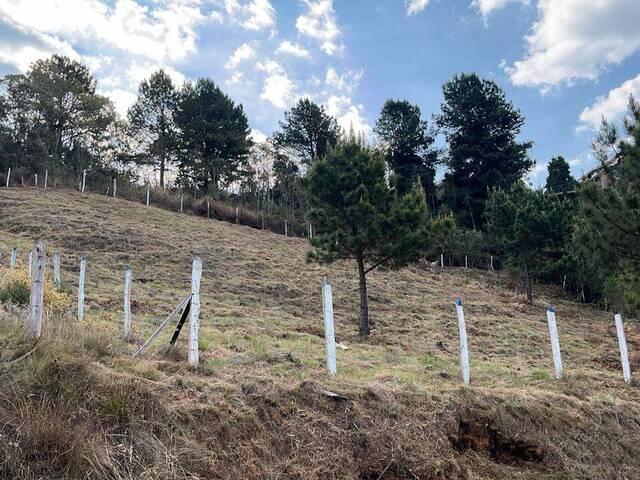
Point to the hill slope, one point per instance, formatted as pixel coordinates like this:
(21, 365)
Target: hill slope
(256, 408)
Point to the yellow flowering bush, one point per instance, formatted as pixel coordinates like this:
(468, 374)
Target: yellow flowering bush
(15, 286)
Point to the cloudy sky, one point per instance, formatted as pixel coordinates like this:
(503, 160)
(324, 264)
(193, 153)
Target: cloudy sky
(564, 63)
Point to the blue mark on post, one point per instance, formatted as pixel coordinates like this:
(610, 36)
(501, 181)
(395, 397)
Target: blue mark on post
(458, 302)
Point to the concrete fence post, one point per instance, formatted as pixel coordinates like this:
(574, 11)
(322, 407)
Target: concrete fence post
(36, 297)
(622, 343)
(30, 262)
(8, 176)
(441, 260)
(83, 267)
(56, 269)
(491, 262)
(466, 263)
(555, 342)
(35, 183)
(84, 180)
(194, 319)
(464, 348)
(115, 187)
(181, 201)
(46, 178)
(237, 215)
(286, 228)
(14, 257)
(329, 332)
(208, 209)
(147, 196)
(127, 302)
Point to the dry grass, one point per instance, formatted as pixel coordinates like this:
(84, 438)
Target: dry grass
(254, 408)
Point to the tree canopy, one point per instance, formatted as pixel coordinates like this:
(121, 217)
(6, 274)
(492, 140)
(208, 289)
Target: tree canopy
(481, 127)
(407, 144)
(356, 215)
(559, 179)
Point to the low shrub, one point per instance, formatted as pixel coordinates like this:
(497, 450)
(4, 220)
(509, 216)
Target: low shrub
(15, 288)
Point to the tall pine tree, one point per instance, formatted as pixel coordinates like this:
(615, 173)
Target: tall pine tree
(481, 127)
(408, 145)
(559, 179)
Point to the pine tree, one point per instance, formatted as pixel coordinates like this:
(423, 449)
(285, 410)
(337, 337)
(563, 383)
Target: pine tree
(214, 137)
(481, 127)
(356, 215)
(613, 214)
(308, 131)
(407, 144)
(559, 179)
(151, 119)
(528, 226)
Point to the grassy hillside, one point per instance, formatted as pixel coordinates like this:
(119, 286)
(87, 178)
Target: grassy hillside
(255, 408)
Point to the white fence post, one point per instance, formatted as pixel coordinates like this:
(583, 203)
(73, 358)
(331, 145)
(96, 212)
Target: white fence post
(329, 333)
(442, 260)
(181, 201)
(46, 178)
(8, 176)
(194, 319)
(555, 343)
(286, 228)
(35, 183)
(622, 342)
(464, 348)
(127, 302)
(30, 262)
(237, 215)
(14, 257)
(36, 298)
(491, 263)
(84, 180)
(115, 186)
(56, 269)
(466, 263)
(83, 267)
(147, 196)
(208, 209)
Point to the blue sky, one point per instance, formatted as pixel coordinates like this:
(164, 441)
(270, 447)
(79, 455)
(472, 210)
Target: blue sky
(564, 63)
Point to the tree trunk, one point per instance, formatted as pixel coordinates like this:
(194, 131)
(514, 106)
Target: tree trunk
(162, 168)
(363, 326)
(527, 284)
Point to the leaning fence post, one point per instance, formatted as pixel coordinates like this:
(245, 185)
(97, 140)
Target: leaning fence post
(127, 302)
(36, 298)
(555, 343)
(14, 257)
(147, 196)
(46, 178)
(115, 186)
(329, 333)
(194, 319)
(622, 342)
(56, 269)
(83, 267)
(464, 348)
(8, 176)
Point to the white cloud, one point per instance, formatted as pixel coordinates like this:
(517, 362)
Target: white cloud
(320, 23)
(577, 39)
(485, 7)
(163, 32)
(34, 46)
(257, 136)
(244, 52)
(290, 48)
(346, 82)
(347, 114)
(278, 87)
(122, 99)
(611, 106)
(259, 15)
(415, 6)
